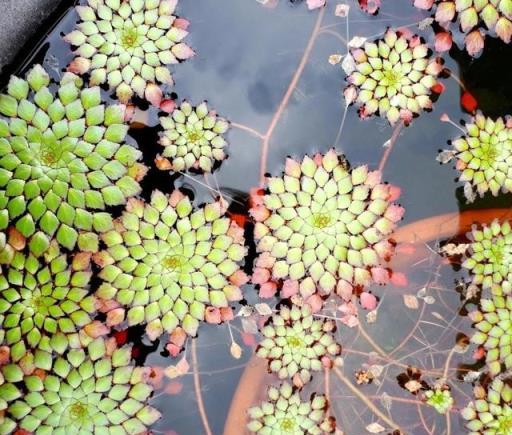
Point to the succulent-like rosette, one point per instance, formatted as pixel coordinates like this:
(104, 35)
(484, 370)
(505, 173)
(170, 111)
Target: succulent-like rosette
(192, 138)
(63, 160)
(44, 302)
(128, 44)
(476, 18)
(393, 77)
(441, 400)
(296, 343)
(323, 227)
(285, 412)
(86, 391)
(489, 259)
(166, 263)
(494, 329)
(484, 156)
(491, 415)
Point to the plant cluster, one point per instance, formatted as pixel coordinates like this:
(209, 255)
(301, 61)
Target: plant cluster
(494, 329)
(441, 400)
(323, 227)
(84, 391)
(63, 160)
(128, 45)
(285, 412)
(166, 263)
(192, 138)
(489, 259)
(296, 343)
(44, 302)
(476, 19)
(393, 77)
(490, 414)
(484, 156)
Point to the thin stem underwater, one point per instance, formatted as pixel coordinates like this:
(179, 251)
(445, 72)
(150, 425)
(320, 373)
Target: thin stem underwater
(197, 389)
(287, 96)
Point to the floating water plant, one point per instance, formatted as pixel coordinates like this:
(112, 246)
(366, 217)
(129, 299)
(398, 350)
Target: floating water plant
(484, 156)
(166, 263)
(285, 412)
(296, 343)
(393, 77)
(476, 18)
(63, 160)
(323, 227)
(494, 329)
(44, 302)
(440, 400)
(490, 255)
(492, 414)
(91, 391)
(128, 44)
(192, 138)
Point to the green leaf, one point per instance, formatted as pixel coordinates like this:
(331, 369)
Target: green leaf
(67, 236)
(8, 105)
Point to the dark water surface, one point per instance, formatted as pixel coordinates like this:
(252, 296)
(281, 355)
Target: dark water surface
(246, 57)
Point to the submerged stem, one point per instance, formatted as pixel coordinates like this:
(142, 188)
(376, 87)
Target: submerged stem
(287, 95)
(366, 401)
(197, 388)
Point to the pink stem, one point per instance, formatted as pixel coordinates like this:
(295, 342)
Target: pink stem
(197, 388)
(287, 95)
(247, 129)
(394, 137)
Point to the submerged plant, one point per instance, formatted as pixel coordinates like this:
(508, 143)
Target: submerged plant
(484, 156)
(44, 302)
(192, 138)
(494, 325)
(86, 392)
(393, 77)
(284, 412)
(128, 44)
(323, 227)
(491, 415)
(490, 255)
(166, 263)
(62, 160)
(440, 400)
(295, 343)
(476, 19)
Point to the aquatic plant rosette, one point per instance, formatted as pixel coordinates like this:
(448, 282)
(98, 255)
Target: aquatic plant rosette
(87, 391)
(192, 138)
(492, 414)
(440, 400)
(296, 343)
(392, 77)
(484, 156)
(285, 412)
(63, 160)
(489, 258)
(322, 228)
(129, 44)
(44, 302)
(168, 265)
(494, 329)
(475, 18)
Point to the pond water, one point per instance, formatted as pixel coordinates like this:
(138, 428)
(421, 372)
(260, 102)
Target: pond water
(266, 70)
